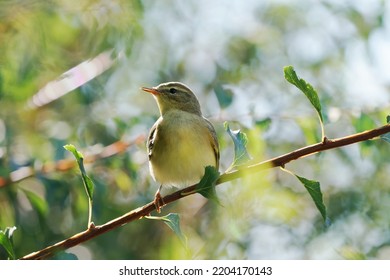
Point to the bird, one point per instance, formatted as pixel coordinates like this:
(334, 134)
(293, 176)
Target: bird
(182, 142)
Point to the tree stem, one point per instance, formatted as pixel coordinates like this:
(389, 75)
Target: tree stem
(145, 210)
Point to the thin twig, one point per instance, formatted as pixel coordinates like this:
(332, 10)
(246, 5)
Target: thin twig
(145, 210)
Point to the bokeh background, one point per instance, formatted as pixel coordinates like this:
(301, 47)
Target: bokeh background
(70, 72)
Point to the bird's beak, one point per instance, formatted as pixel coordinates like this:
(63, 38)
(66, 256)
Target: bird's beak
(151, 90)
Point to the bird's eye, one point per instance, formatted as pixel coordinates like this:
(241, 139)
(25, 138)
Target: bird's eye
(172, 90)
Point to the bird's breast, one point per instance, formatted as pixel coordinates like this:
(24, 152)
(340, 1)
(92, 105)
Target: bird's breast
(181, 150)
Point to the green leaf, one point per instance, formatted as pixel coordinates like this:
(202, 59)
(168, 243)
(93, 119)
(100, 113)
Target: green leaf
(291, 76)
(88, 184)
(314, 189)
(240, 140)
(224, 96)
(37, 202)
(206, 186)
(172, 220)
(6, 241)
(264, 124)
(386, 136)
(71, 148)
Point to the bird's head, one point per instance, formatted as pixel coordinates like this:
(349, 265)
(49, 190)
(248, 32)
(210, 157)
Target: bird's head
(175, 96)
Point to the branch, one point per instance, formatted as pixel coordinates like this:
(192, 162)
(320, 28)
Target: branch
(326, 144)
(145, 210)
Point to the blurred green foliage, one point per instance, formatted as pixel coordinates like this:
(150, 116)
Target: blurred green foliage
(232, 54)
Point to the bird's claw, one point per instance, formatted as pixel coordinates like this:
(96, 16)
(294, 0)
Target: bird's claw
(158, 201)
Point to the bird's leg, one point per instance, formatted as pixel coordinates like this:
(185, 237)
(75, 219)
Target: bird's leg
(158, 200)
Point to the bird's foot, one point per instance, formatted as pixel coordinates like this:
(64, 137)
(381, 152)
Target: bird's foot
(158, 201)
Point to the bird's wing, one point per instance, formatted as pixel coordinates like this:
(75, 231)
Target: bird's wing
(213, 141)
(151, 139)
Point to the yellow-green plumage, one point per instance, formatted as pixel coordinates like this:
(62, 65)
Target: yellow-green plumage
(182, 142)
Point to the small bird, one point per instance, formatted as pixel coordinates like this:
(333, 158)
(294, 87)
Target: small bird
(182, 142)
